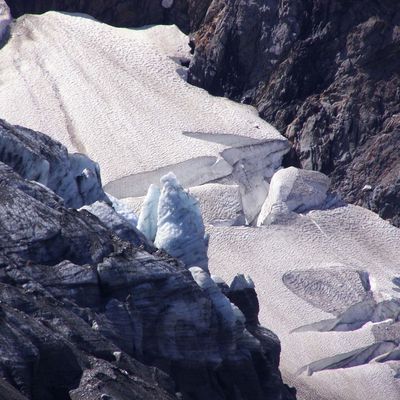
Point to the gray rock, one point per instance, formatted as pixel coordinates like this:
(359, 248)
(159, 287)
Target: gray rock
(326, 74)
(36, 157)
(86, 314)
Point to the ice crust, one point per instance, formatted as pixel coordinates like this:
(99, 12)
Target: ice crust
(180, 228)
(118, 96)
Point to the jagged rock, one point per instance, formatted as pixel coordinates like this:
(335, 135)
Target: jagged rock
(187, 14)
(81, 309)
(5, 19)
(115, 222)
(326, 74)
(36, 157)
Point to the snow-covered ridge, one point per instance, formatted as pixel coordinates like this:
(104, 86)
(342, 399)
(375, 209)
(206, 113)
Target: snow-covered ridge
(119, 96)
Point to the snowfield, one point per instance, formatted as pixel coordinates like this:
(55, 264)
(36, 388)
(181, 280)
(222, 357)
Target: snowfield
(119, 95)
(326, 279)
(328, 248)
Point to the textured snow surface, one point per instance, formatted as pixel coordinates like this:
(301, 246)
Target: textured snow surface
(310, 268)
(293, 189)
(119, 96)
(180, 228)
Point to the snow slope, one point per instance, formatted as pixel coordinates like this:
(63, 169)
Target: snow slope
(319, 255)
(119, 95)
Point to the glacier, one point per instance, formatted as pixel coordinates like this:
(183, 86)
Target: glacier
(180, 228)
(294, 189)
(148, 217)
(122, 79)
(5, 19)
(136, 103)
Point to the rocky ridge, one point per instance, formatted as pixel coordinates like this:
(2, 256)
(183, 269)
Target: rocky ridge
(73, 289)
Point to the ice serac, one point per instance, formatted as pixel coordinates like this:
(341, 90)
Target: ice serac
(5, 19)
(148, 216)
(180, 228)
(294, 189)
(74, 177)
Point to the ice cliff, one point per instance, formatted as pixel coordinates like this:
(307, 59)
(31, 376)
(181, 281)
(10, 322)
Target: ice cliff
(171, 218)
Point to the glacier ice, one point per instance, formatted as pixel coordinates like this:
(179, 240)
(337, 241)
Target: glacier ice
(5, 18)
(123, 210)
(294, 189)
(228, 311)
(180, 228)
(209, 138)
(147, 222)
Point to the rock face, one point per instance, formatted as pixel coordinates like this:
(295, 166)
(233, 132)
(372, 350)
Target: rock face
(74, 290)
(326, 74)
(187, 14)
(74, 177)
(5, 19)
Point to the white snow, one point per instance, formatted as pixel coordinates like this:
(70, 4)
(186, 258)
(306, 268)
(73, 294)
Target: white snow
(347, 237)
(5, 18)
(148, 217)
(117, 95)
(180, 228)
(293, 189)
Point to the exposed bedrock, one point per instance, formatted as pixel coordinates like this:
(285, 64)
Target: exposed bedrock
(187, 14)
(5, 19)
(88, 313)
(325, 73)
(36, 157)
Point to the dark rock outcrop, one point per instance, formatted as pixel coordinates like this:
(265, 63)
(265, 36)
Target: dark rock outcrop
(36, 157)
(325, 73)
(87, 313)
(187, 14)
